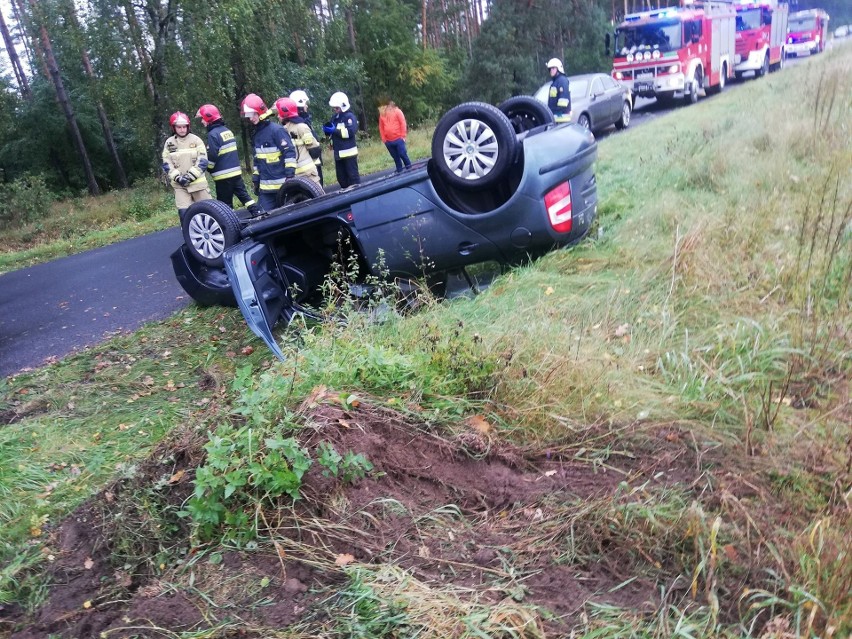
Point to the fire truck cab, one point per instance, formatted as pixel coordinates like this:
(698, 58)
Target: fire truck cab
(676, 52)
(761, 36)
(807, 32)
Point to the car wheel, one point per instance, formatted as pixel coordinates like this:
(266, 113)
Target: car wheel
(584, 121)
(297, 189)
(624, 121)
(525, 113)
(473, 146)
(209, 228)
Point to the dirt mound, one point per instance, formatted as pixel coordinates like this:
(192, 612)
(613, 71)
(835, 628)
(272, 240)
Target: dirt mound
(452, 511)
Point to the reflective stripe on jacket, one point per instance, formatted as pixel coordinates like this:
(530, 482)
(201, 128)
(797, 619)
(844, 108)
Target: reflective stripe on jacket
(183, 155)
(304, 140)
(343, 137)
(274, 156)
(222, 152)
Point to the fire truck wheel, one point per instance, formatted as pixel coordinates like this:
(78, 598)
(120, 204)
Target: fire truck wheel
(723, 79)
(692, 98)
(764, 68)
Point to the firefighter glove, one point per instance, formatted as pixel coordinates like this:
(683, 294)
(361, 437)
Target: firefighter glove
(328, 129)
(183, 180)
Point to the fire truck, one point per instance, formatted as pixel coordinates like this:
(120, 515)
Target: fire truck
(761, 36)
(807, 32)
(674, 53)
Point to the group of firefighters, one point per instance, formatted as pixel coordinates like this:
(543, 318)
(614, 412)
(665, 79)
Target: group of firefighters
(281, 150)
(289, 147)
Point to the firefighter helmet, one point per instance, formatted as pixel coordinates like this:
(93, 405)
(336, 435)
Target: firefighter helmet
(339, 100)
(251, 104)
(555, 63)
(287, 108)
(179, 118)
(300, 98)
(208, 113)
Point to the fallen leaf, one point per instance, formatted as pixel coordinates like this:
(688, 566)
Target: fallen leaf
(550, 473)
(248, 350)
(424, 552)
(87, 604)
(344, 559)
(479, 424)
(730, 552)
(548, 290)
(344, 423)
(109, 496)
(177, 477)
(89, 563)
(621, 331)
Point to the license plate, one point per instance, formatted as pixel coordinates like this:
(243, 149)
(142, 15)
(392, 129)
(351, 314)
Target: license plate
(643, 87)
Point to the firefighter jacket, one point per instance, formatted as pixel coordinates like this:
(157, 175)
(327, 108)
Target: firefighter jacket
(392, 123)
(345, 126)
(305, 143)
(185, 155)
(274, 155)
(559, 98)
(222, 152)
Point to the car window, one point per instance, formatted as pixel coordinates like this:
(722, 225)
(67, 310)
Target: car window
(578, 88)
(597, 87)
(609, 83)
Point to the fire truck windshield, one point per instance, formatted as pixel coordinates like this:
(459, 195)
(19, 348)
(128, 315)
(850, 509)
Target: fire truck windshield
(657, 36)
(801, 24)
(748, 20)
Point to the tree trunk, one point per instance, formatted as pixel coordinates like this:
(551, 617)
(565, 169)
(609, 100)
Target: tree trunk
(350, 23)
(67, 109)
(20, 76)
(102, 116)
(141, 53)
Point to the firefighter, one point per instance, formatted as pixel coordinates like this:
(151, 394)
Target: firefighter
(559, 98)
(302, 136)
(342, 129)
(303, 103)
(184, 161)
(274, 153)
(224, 163)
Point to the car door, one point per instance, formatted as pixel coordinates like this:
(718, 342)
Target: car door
(598, 105)
(614, 97)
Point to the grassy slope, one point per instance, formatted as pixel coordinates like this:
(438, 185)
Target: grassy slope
(714, 301)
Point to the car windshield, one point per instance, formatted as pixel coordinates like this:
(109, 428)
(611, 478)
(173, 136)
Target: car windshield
(579, 89)
(658, 36)
(801, 24)
(748, 20)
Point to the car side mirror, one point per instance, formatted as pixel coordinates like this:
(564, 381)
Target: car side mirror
(607, 41)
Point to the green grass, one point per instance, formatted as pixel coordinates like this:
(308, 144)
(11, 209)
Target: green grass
(713, 303)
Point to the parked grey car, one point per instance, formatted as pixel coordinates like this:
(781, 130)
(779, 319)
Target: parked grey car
(597, 101)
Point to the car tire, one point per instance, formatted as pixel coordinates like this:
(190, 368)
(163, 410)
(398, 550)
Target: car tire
(525, 113)
(584, 121)
(473, 146)
(296, 190)
(624, 121)
(210, 227)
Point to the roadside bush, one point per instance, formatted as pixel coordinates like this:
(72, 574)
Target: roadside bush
(24, 200)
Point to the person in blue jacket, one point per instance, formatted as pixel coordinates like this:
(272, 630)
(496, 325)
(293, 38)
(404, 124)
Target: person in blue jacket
(559, 97)
(223, 160)
(274, 152)
(342, 129)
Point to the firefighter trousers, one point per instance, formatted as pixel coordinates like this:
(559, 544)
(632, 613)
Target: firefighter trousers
(234, 186)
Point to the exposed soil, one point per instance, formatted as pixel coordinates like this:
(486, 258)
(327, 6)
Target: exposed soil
(459, 511)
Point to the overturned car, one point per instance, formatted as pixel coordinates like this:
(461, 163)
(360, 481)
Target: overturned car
(504, 184)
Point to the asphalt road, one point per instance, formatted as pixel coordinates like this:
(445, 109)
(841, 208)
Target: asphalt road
(54, 309)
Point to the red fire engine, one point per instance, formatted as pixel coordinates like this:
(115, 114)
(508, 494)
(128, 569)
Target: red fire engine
(761, 35)
(674, 53)
(807, 32)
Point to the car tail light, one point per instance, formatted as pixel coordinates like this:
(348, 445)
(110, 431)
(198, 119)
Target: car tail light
(558, 203)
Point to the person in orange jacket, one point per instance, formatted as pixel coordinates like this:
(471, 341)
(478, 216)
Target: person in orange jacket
(393, 129)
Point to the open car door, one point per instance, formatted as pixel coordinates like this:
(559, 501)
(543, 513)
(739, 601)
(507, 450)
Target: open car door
(260, 297)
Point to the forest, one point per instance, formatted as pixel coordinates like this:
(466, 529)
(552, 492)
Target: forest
(88, 85)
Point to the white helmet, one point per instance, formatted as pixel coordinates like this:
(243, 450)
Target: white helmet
(555, 62)
(340, 100)
(300, 98)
